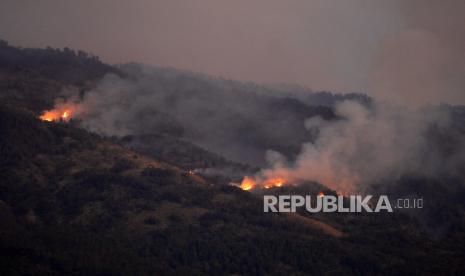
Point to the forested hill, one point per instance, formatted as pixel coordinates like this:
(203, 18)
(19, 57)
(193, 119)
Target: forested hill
(72, 202)
(76, 202)
(33, 78)
(63, 65)
(238, 120)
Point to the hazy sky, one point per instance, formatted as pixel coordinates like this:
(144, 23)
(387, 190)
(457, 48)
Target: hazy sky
(343, 45)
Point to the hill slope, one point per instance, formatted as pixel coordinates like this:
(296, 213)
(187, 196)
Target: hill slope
(74, 202)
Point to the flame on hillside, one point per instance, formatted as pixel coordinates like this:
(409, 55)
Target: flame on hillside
(59, 114)
(249, 183)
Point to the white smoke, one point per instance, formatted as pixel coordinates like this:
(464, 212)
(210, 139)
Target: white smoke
(367, 146)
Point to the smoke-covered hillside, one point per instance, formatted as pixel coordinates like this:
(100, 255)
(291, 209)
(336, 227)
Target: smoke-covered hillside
(74, 202)
(136, 177)
(348, 142)
(34, 78)
(238, 120)
(208, 137)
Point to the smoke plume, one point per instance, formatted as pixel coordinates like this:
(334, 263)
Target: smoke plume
(237, 120)
(348, 146)
(374, 145)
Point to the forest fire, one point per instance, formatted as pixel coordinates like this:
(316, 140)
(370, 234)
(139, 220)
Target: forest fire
(273, 183)
(249, 183)
(56, 115)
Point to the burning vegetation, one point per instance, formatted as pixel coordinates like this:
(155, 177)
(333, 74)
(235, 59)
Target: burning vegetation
(57, 115)
(249, 183)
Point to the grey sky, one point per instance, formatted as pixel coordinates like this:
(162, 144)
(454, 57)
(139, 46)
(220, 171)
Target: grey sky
(323, 44)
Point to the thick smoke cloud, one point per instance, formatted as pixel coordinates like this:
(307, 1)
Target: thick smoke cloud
(235, 119)
(361, 144)
(375, 145)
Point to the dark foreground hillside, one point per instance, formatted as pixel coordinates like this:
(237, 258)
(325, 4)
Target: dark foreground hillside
(74, 202)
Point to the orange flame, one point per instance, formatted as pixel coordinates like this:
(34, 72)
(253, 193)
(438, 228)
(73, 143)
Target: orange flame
(277, 182)
(56, 115)
(321, 194)
(247, 184)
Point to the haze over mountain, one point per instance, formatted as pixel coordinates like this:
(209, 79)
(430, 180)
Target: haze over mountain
(407, 51)
(159, 164)
(150, 200)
